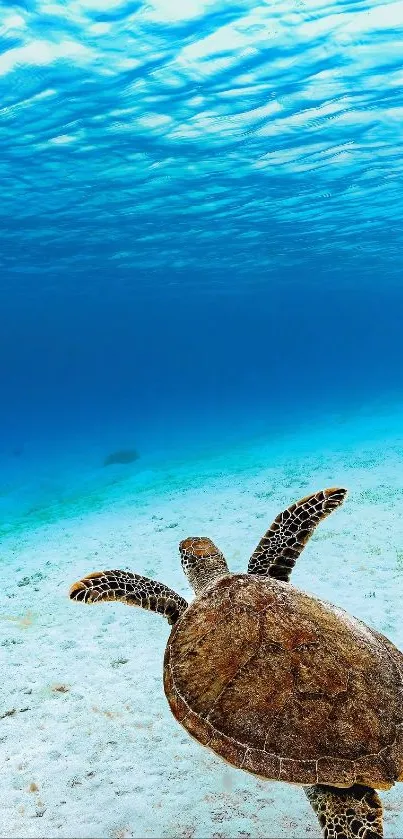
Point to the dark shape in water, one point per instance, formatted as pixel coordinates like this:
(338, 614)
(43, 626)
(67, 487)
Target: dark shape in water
(122, 456)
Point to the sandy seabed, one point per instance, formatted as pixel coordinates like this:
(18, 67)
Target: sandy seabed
(88, 746)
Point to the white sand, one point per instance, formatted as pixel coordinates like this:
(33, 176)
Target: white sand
(102, 755)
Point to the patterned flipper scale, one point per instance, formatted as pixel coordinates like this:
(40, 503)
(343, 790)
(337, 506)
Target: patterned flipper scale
(353, 813)
(279, 549)
(132, 589)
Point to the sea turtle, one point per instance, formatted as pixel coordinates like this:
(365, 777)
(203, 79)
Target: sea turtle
(275, 681)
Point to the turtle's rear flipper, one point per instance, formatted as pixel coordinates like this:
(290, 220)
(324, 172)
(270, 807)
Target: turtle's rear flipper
(279, 549)
(353, 813)
(132, 589)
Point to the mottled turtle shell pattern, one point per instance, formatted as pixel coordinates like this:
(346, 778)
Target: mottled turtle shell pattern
(286, 686)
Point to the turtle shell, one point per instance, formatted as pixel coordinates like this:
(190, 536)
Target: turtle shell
(287, 686)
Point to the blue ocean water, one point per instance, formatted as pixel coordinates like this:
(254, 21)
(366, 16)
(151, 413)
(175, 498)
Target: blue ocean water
(200, 274)
(201, 222)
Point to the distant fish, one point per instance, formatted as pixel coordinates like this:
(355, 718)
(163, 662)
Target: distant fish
(122, 456)
(18, 451)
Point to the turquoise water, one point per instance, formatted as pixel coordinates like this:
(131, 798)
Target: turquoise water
(200, 268)
(200, 219)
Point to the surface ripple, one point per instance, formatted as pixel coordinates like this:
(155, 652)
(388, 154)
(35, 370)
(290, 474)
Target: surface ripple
(135, 135)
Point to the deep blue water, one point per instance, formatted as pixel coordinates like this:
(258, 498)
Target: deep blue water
(201, 219)
(201, 239)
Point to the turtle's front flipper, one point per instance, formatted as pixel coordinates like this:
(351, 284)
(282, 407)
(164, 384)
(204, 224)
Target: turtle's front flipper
(279, 549)
(131, 589)
(353, 813)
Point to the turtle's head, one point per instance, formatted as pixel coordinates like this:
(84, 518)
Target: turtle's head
(201, 561)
